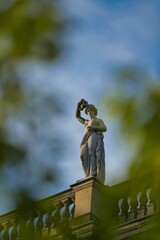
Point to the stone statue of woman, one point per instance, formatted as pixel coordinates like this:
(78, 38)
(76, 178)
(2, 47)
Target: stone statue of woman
(92, 146)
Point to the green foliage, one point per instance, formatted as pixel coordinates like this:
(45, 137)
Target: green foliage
(30, 31)
(136, 104)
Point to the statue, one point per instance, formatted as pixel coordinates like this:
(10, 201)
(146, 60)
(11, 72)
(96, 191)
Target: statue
(92, 146)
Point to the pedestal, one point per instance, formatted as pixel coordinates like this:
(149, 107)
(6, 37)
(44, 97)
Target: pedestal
(88, 208)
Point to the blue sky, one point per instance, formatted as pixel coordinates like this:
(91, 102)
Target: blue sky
(103, 35)
(106, 34)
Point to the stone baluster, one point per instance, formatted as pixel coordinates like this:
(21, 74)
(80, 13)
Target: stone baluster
(73, 208)
(149, 202)
(1, 229)
(129, 205)
(48, 217)
(135, 205)
(117, 210)
(139, 204)
(132, 207)
(48, 220)
(66, 212)
(125, 208)
(30, 224)
(5, 234)
(39, 222)
(14, 231)
(39, 225)
(120, 206)
(56, 219)
(148, 196)
(143, 203)
(138, 199)
(65, 229)
(57, 214)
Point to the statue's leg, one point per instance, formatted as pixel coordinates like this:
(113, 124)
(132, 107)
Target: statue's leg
(92, 143)
(84, 159)
(100, 156)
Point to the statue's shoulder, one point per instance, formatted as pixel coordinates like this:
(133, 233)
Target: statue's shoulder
(99, 120)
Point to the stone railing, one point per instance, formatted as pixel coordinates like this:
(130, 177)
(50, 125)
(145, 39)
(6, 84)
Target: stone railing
(133, 199)
(82, 207)
(49, 216)
(134, 204)
(46, 216)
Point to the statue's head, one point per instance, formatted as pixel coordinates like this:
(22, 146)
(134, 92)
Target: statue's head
(90, 106)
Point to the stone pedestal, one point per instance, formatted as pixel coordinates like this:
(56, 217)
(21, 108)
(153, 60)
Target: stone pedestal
(88, 194)
(88, 208)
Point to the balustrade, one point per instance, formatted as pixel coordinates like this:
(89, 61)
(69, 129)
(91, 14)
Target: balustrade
(130, 208)
(53, 214)
(12, 227)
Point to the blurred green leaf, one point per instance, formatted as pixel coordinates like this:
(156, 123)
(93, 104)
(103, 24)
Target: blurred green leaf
(30, 30)
(10, 153)
(136, 104)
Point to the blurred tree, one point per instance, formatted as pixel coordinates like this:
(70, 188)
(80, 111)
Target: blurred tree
(136, 104)
(30, 32)
(30, 29)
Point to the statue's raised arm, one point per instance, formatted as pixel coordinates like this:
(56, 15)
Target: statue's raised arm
(92, 146)
(80, 106)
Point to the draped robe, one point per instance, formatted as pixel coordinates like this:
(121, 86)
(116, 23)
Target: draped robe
(92, 154)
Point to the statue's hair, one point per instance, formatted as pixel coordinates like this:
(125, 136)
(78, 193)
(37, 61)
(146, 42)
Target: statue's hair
(91, 106)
